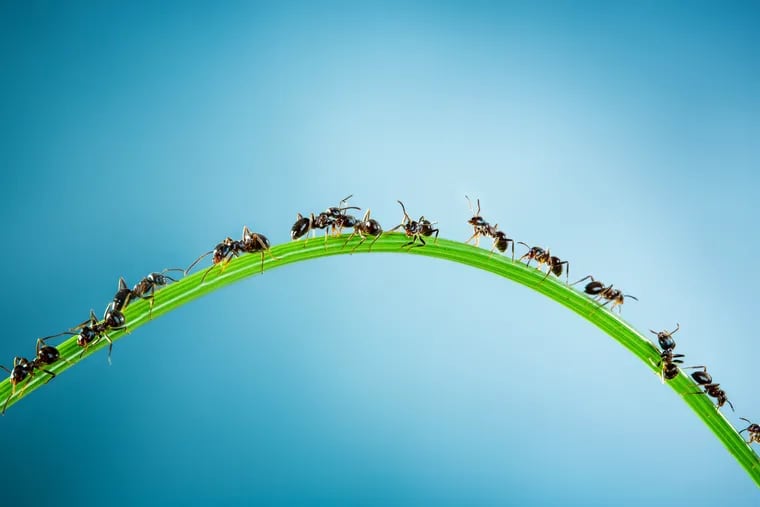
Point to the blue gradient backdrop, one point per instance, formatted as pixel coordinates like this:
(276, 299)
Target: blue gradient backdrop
(134, 137)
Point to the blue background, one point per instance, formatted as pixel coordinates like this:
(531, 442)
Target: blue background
(134, 137)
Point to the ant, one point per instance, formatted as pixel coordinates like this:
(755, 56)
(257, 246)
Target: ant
(705, 380)
(753, 430)
(91, 330)
(334, 218)
(553, 263)
(254, 242)
(22, 368)
(146, 288)
(224, 252)
(482, 228)
(600, 291)
(668, 361)
(416, 229)
(46, 355)
(366, 227)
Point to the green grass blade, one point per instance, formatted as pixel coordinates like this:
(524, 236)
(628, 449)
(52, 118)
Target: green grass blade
(190, 288)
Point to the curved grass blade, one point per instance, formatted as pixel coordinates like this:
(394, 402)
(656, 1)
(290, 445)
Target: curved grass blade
(189, 288)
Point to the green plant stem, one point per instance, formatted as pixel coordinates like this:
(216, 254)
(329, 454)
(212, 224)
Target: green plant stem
(190, 287)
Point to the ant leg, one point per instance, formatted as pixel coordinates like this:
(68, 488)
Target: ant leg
(171, 269)
(362, 240)
(548, 272)
(373, 242)
(110, 347)
(599, 306)
(476, 237)
(152, 300)
(265, 248)
(52, 375)
(435, 231)
(5, 405)
(26, 384)
(196, 261)
(207, 272)
(583, 279)
(350, 236)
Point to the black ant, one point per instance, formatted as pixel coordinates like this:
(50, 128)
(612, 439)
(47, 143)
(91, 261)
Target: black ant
(92, 330)
(416, 229)
(46, 355)
(483, 228)
(224, 252)
(753, 430)
(146, 288)
(254, 242)
(553, 263)
(334, 218)
(366, 227)
(705, 381)
(22, 369)
(600, 291)
(668, 361)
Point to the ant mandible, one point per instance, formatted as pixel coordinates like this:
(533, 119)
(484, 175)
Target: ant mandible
(600, 291)
(416, 229)
(366, 227)
(705, 381)
(753, 430)
(553, 263)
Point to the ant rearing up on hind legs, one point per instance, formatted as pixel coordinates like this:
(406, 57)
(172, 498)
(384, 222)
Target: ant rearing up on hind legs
(415, 229)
